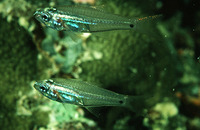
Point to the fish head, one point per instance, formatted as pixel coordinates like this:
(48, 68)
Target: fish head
(49, 17)
(43, 16)
(46, 88)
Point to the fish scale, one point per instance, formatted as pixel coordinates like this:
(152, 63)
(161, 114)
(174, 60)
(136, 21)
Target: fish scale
(81, 93)
(84, 94)
(86, 19)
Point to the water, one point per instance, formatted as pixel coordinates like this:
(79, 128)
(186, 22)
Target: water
(161, 61)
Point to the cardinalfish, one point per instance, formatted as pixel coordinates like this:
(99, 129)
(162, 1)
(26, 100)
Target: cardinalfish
(87, 19)
(84, 94)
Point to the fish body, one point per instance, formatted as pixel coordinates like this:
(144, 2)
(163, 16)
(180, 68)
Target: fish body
(79, 93)
(85, 19)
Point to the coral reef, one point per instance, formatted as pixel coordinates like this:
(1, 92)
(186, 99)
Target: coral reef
(159, 62)
(18, 58)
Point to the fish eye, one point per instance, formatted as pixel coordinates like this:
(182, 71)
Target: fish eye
(121, 102)
(131, 25)
(42, 88)
(45, 17)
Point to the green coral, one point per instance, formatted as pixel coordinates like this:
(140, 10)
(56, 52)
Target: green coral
(40, 118)
(18, 68)
(127, 62)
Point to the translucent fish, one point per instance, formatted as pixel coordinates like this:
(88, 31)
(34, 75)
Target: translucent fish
(85, 94)
(87, 19)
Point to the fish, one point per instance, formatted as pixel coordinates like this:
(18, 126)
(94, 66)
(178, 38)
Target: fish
(84, 94)
(87, 19)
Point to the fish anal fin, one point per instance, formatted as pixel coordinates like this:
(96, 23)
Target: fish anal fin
(94, 110)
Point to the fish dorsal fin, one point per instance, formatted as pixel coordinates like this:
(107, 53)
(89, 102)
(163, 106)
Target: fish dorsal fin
(82, 7)
(88, 12)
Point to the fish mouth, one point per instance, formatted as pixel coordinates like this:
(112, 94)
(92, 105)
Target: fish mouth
(39, 18)
(37, 12)
(37, 15)
(36, 85)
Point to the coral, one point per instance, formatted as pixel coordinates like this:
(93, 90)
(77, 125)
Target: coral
(160, 114)
(21, 108)
(18, 67)
(63, 50)
(156, 61)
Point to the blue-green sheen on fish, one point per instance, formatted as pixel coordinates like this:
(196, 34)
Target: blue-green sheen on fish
(86, 19)
(83, 94)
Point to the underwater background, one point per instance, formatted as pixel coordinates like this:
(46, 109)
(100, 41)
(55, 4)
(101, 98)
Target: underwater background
(161, 59)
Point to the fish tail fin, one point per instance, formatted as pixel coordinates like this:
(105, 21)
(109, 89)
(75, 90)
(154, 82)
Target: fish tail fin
(146, 25)
(139, 103)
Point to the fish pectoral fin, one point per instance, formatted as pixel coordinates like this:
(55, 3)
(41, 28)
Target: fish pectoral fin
(74, 38)
(94, 110)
